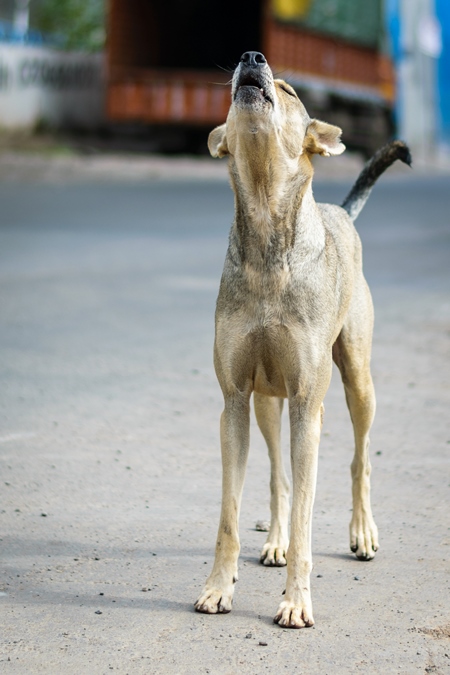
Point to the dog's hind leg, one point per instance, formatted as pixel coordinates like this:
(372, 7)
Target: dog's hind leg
(351, 353)
(217, 595)
(268, 415)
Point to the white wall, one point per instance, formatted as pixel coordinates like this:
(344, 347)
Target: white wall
(418, 106)
(62, 89)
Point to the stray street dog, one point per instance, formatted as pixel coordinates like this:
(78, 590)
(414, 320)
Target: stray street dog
(292, 298)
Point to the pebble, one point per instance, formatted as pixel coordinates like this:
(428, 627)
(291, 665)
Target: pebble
(98, 612)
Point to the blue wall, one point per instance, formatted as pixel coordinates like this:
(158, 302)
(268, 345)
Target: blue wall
(393, 32)
(392, 23)
(443, 14)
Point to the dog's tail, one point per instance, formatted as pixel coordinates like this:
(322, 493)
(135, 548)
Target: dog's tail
(382, 159)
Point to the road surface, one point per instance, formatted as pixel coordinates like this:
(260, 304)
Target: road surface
(109, 443)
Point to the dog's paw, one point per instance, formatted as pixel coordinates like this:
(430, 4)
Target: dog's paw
(214, 601)
(290, 615)
(273, 555)
(363, 536)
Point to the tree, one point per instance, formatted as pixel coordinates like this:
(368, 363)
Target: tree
(75, 24)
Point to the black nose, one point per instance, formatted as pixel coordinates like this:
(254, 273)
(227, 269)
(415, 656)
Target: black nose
(253, 59)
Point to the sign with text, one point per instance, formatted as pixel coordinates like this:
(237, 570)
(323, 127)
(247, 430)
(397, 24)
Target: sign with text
(41, 85)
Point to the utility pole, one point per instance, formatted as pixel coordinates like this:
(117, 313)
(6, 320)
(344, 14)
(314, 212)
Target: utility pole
(21, 17)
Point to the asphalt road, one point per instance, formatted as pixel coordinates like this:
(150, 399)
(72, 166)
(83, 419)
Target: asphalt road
(110, 464)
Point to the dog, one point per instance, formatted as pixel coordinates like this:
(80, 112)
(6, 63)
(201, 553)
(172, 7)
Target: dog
(292, 298)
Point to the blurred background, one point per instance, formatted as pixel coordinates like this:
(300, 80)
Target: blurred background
(152, 75)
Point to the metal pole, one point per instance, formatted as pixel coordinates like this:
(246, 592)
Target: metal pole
(21, 16)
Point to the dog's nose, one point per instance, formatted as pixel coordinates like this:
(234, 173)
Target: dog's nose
(253, 59)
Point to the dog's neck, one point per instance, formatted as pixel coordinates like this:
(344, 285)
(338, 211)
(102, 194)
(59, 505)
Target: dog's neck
(273, 200)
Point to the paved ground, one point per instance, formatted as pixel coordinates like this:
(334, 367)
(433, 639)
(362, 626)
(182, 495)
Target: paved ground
(109, 444)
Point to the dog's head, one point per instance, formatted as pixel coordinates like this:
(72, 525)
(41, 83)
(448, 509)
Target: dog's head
(268, 113)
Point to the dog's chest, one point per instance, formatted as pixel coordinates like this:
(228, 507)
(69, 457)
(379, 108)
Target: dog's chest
(266, 341)
(273, 323)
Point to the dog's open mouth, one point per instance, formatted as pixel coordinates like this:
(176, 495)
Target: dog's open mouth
(250, 88)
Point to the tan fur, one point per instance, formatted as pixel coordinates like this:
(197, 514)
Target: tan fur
(292, 296)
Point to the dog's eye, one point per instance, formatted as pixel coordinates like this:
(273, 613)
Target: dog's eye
(288, 91)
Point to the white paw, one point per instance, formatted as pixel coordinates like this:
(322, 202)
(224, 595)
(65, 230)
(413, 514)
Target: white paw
(290, 615)
(273, 555)
(363, 536)
(214, 601)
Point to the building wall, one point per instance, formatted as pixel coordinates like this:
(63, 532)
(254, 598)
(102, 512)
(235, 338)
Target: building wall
(59, 89)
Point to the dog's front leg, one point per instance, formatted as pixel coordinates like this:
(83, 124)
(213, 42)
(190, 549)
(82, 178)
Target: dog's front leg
(296, 609)
(217, 594)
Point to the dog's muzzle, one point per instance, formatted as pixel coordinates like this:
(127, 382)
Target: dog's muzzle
(253, 80)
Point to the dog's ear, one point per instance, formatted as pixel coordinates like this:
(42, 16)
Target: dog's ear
(217, 141)
(323, 139)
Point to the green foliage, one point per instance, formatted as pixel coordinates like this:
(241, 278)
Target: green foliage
(77, 24)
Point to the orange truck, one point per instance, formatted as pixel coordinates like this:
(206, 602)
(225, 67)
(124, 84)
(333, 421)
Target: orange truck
(170, 61)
